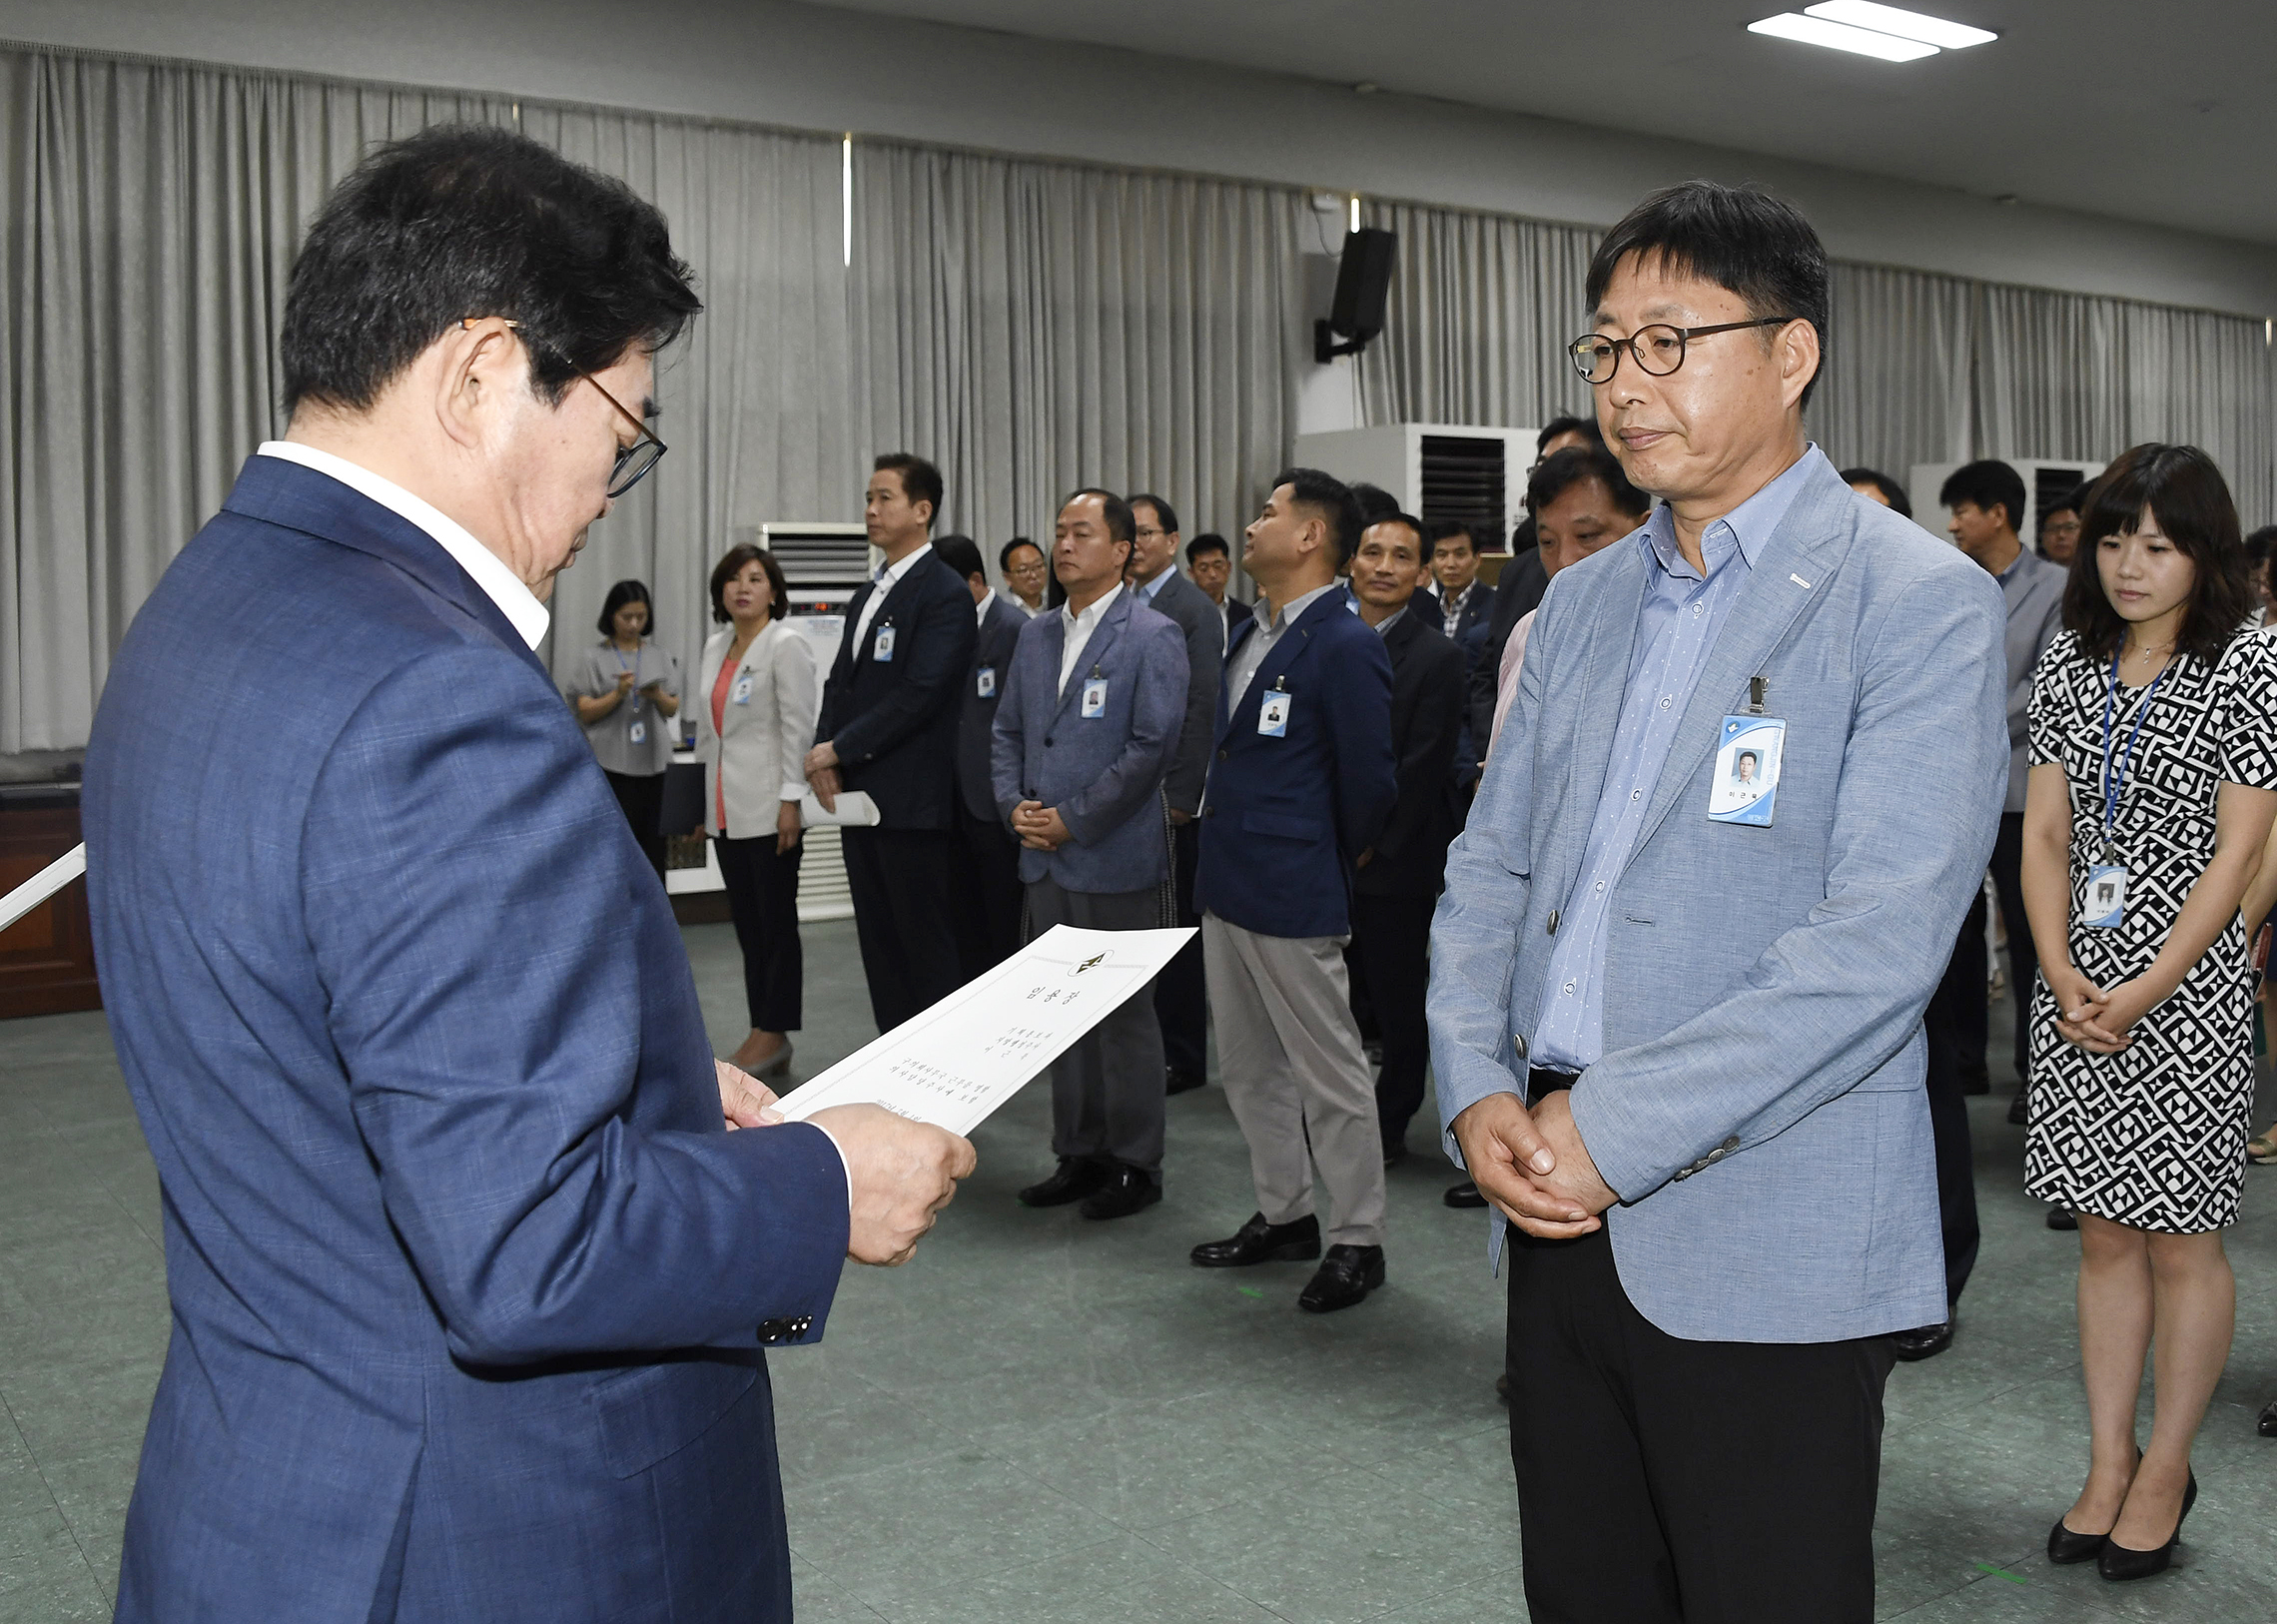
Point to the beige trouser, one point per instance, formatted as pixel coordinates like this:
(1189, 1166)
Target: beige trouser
(1290, 1052)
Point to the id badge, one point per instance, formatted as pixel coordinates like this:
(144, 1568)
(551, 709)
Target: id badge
(1095, 699)
(2107, 897)
(1272, 715)
(741, 694)
(986, 683)
(882, 651)
(1746, 783)
(639, 732)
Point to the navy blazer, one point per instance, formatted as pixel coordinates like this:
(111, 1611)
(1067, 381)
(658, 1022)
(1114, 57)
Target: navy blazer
(1427, 687)
(1105, 773)
(468, 1284)
(1000, 630)
(1284, 819)
(894, 722)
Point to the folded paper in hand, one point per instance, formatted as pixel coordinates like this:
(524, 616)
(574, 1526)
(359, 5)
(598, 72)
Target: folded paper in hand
(853, 809)
(955, 1063)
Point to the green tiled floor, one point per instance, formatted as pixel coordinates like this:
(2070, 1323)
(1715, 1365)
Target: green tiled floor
(1045, 1419)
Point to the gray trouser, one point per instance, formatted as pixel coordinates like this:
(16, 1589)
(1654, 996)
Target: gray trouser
(1107, 1092)
(1289, 1053)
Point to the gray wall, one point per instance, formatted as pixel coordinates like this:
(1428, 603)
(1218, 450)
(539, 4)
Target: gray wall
(776, 61)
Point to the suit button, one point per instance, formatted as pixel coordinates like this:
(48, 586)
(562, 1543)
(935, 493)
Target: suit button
(1047, 741)
(1209, 811)
(774, 1331)
(1555, 916)
(1224, 755)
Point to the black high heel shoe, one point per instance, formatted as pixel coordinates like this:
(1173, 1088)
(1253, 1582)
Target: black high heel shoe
(2065, 1547)
(2117, 1562)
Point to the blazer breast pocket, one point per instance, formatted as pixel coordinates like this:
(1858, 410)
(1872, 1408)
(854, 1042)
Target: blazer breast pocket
(653, 1412)
(1283, 824)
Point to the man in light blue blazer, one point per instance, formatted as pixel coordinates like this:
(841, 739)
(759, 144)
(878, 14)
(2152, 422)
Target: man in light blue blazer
(1088, 729)
(1684, 1054)
(470, 1287)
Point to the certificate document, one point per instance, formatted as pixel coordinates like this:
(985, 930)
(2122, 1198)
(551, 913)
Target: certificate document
(967, 1055)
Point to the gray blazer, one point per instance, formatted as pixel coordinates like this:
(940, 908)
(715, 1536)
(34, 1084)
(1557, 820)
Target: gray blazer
(1203, 625)
(1759, 1104)
(2034, 597)
(1104, 773)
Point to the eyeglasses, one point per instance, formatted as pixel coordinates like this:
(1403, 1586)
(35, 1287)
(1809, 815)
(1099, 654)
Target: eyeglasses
(632, 462)
(1658, 348)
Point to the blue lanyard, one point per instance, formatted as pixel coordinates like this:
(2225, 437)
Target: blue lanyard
(2113, 785)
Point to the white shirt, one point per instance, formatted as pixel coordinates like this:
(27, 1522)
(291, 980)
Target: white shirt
(981, 610)
(1077, 629)
(514, 600)
(886, 579)
(1260, 643)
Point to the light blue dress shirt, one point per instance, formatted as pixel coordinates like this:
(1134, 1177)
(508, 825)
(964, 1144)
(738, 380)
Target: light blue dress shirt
(1677, 625)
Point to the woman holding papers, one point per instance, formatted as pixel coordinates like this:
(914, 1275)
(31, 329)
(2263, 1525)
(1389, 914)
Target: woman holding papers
(759, 695)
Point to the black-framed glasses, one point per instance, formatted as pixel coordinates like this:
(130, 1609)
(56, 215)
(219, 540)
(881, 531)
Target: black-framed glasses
(632, 462)
(1657, 346)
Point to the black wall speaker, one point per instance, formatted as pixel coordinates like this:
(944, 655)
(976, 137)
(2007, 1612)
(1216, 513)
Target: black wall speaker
(1363, 277)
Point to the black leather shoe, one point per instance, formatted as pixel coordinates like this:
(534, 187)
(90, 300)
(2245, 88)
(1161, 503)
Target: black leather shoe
(1464, 1195)
(2065, 1547)
(2017, 1105)
(1078, 1176)
(2267, 1425)
(1345, 1276)
(1178, 1081)
(1126, 1191)
(2117, 1563)
(1923, 1342)
(2059, 1218)
(1262, 1243)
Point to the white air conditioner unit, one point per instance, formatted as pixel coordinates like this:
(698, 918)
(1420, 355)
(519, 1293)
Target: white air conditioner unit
(1436, 470)
(2048, 480)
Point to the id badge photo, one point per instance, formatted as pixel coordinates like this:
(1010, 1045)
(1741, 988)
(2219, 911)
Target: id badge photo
(1272, 715)
(2107, 897)
(1746, 785)
(985, 684)
(1095, 699)
(882, 649)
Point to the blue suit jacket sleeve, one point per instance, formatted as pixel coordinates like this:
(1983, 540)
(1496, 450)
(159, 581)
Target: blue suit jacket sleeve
(485, 988)
(1157, 713)
(1845, 989)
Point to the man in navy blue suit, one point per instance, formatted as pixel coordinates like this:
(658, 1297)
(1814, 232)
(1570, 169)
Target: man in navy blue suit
(1301, 784)
(469, 1283)
(889, 729)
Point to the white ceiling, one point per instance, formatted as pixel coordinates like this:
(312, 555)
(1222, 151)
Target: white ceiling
(2165, 114)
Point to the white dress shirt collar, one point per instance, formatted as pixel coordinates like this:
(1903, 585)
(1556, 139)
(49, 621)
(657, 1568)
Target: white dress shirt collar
(514, 600)
(1077, 630)
(887, 577)
(981, 610)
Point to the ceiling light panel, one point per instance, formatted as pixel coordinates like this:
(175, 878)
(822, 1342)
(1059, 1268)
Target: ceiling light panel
(1789, 25)
(1907, 25)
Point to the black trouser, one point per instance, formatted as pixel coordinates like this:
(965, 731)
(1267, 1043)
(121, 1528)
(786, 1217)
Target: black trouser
(763, 900)
(988, 894)
(641, 795)
(1661, 1480)
(1390, 953)
(1954, 1024)
(1181, 992)
(2024, 954)
(904, 891)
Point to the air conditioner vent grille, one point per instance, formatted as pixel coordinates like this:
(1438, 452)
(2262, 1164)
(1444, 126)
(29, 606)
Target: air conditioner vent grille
(1465, 480)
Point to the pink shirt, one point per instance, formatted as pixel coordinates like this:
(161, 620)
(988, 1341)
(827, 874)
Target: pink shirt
(1506, 679)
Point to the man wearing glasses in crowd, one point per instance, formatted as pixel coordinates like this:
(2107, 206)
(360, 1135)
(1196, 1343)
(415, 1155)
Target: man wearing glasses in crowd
(1679, 1048)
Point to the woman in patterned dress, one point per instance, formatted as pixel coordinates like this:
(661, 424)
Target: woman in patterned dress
(2153, 786)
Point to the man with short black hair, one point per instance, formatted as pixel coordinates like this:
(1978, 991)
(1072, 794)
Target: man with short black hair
(2059, 529)
(1210, 562)
(889, 729)
(1022, 566)
(1299, 786)
(1181, 997)
(988, 880)
(1877, 487)
(1454, 585)
(1675, 1040)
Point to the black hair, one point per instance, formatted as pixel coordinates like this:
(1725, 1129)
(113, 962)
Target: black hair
(731, 565)
(1446, 530)
(960, 553)
(1740, 237)
(2261, 556)
(620, 594)
(2070, 503)
(1560, 472)
(1164, 515)
(1208, 541)
(919, 480)
(1004, 557)
(1336, 502)
(1990, 484)
(471, 221)
(1891, 491)
(1586, 427)
(1121, 527)
(1375, 503)
(1746, 755)
(2186, 494)
(1422, 539)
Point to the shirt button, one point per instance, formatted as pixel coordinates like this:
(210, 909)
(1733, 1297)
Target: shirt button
(1635, 793)
(1600, 884)
(1569, 989)
(1699, 609)
(1665, 700)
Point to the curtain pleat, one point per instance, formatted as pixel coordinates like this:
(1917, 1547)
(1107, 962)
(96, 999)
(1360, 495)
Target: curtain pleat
(1030, 326)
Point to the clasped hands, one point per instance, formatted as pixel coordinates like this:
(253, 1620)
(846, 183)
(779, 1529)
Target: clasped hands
(900, 1174)
(2087, 1017)
(1040, 827)
(1532, 1165)
(822, 772)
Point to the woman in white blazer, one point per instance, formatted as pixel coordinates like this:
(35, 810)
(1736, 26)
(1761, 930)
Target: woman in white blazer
(759, 694)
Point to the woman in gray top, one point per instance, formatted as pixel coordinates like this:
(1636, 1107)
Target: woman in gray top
(627, 692)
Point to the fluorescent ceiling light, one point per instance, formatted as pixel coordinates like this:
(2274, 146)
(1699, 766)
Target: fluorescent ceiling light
(1841, 37)
(1907, 25)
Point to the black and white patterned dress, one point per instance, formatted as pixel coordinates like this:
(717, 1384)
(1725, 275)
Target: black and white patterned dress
(2154, 1135)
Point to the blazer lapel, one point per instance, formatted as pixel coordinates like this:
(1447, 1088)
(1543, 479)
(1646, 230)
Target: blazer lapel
(1094, 650)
